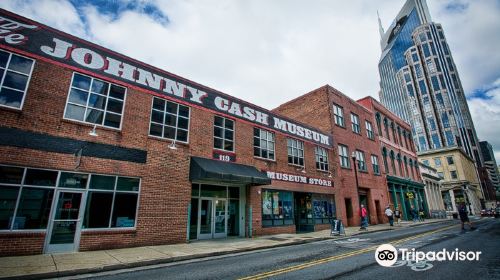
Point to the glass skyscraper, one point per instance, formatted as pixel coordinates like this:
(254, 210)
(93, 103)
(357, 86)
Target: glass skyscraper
(420, 83)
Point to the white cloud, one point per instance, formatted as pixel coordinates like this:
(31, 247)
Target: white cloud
(268, 52)
(486, 116)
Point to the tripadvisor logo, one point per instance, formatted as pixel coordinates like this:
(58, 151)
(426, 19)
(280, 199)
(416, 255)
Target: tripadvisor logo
(386, 255)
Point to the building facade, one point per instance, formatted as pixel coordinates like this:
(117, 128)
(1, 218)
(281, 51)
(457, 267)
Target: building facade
(355, 141)
(490, 164)
(98, 150)
(433, 194)
(459, 182)
(399, 159)
(420, 82)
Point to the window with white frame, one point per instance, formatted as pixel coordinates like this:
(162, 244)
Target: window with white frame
(360, 157)
(27, 194)
(95, 101)
(376, 167)
(321, 158)
(223, 134)
(263, 143)
(15, 74)
(344, 156)
(295, 152)
(338, 113)
(369, 130)
(355, 123)
(169, 120)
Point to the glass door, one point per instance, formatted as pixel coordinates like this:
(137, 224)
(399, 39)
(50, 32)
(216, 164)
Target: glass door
(63, 234)
(212, 218)
(220, 218)
(205, 214)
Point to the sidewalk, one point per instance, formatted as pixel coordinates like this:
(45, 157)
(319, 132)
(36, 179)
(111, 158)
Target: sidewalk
(58, 265)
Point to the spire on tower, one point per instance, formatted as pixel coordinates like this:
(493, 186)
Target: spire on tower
(380, 28)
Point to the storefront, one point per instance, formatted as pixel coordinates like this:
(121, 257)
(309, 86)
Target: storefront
(64, 204)
(406, 195)
(218, 199)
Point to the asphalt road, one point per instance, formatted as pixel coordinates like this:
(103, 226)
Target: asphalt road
(352, 258)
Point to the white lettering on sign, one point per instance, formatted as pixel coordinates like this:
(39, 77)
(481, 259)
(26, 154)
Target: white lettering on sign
(300, 131)
(7, 28)
(224, 158)
(298, 179)
(234, 108)
(93, 60)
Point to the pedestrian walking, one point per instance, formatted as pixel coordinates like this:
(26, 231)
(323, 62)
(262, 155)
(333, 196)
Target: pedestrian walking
(464, 218)
(421, 215)
(363, 213)
(389, 214)
(397, 215)
(414, 214)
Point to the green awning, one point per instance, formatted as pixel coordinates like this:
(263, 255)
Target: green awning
(204, 170)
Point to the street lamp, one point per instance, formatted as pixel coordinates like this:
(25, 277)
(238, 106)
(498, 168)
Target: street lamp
(354, 158)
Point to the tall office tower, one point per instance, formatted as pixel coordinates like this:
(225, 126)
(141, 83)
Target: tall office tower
(490, 164)
(419, 82)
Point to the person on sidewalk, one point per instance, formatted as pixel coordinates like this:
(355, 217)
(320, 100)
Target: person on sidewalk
(414, 214)
(421, 215)
(464, 218)
(389, 214)
(364, 217)
(397, 215)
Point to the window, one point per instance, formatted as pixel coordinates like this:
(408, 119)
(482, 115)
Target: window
(321, 158)
(263, 143)
(435, 83)
(95, 101)
(437, 162)
(449, 138)
(344, 156)
(450, 160)
(376, 168)
(369, 130)
(426, 162)
(441, 175)
(453, 174)
(355, 123)
(169, 120)
(277, 208)
(223, 134)
(338, 113)
(15, 74)
(360, 157)
(111, 200)
(432, 123)
(295, 152)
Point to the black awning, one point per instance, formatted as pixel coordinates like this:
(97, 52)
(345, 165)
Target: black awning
(211, 171)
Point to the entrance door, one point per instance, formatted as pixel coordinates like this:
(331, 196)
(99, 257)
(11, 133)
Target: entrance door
(63, 234)
(212, 218)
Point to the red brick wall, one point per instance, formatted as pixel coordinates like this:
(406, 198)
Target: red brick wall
(165, 186)
(315, 108)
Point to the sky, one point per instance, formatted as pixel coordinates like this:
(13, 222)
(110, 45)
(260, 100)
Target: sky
(268, 52)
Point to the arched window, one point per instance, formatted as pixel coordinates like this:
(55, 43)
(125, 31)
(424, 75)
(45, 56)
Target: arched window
(386, 128)
(405, 161)
(400, 166)
(411, 168)
(393, 164)
(379, 127)
(384, 156)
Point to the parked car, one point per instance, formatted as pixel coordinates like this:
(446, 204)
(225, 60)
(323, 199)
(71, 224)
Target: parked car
(487, 213)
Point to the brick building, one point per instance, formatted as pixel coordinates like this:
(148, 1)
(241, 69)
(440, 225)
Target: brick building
(352, 124)
(404, 181)
(98, 150)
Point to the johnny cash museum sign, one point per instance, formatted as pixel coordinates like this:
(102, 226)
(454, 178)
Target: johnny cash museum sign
(39, 41)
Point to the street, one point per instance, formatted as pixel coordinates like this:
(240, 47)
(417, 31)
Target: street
(346, 258)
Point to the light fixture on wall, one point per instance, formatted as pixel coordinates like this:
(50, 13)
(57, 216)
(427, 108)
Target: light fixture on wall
(330, 174)
(172, 146)
(302, 170)
(93, 132)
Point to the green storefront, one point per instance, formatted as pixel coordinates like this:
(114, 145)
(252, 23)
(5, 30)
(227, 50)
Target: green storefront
(405, 194)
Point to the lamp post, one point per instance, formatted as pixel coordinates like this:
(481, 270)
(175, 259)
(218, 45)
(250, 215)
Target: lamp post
(354, 158)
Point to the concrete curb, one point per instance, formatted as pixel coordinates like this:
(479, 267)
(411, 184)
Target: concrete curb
(191, 257)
